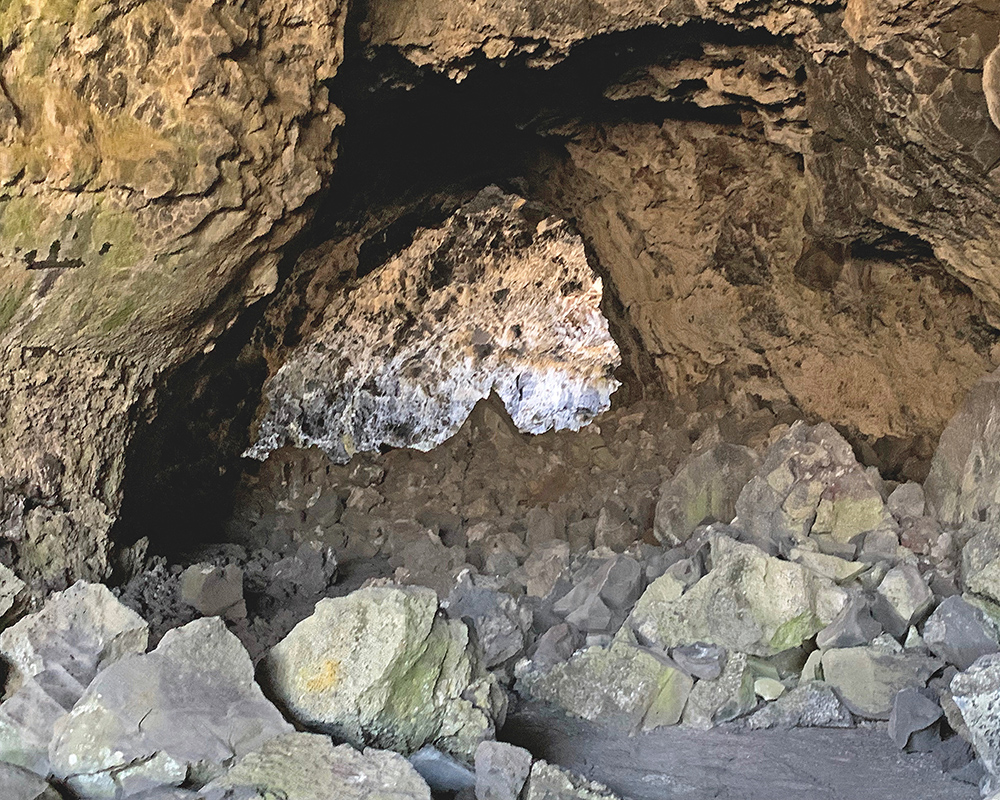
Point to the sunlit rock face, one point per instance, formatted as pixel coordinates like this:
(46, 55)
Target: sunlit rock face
(496, 299)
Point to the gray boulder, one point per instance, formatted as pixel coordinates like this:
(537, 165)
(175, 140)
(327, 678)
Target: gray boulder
(912, 712)
(867, 678)
(54, 655)
(214, 591)
(500, 622)
(704, 490)
(809, 705)
(381, 667)
(21, 784)
(903, 599)
(178, 714)
(748, 602)
(964, 479)
(906, 501)
(305, 766)
(960, 633)
(976, 692)
(501, 771)
(852, 627)
(548, 782)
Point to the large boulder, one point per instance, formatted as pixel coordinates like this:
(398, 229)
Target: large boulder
(53, 656)
(704, 490)
(963, 484)
(867, 678)
(307, 766)
(381, 667)
(177, 715)
(976, 692)
(748, 601)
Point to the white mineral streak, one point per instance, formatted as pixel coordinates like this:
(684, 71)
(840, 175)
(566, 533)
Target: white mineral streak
(491, 300)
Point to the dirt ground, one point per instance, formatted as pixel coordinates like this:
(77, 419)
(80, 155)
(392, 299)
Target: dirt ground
(685, 764)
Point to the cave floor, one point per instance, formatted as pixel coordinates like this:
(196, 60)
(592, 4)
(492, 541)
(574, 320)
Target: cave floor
(686, 764)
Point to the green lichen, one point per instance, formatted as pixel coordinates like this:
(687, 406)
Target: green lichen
(20, 220)
(10, 301)
(795, 631)
(119, 317)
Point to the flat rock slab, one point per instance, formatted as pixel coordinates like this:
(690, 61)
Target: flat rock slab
(685, 764)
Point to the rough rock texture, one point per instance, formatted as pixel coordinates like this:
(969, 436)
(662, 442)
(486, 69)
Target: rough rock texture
(492, 300)
(179, 713)
(19, 784)
(305, 766)
(380, 667)
(748, 601)
(142, 206)
(867, 679)
(977, 694)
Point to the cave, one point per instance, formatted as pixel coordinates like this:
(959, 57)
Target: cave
(497, 401)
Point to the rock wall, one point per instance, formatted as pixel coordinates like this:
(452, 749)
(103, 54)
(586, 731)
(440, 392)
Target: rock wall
(155, 160)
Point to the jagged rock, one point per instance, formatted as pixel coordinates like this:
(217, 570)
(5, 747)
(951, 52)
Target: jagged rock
(54, 654)
(413, 385)
(620, 583)
(11, 591)
(912, 711)
(614, 530)
(809, 484)
(964, 477)
(556, 645)
(306, 766)
(544, 566)
(214, 591)
(960, 633)
(976, 692)
(700, 660)
(748, 602)
(380, 667)
(727, 697)
(836, 569)
(812, 704)
(82, 629)
(179, 713)
(906, 500)
(501, 771)
(704, 490)
(548, 782)
(500, 622)
(853, 626)
(20, 784)
(867, 678)
(617, 685)
(441, 772)
(903, 599)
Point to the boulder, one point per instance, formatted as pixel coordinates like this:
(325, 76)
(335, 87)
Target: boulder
(548, 782)
(54, 654)
(964, 478)
(82, 629)
(543, 567)
(214, 591)
(976, 692)
(306, 766)
(724, 699)
(809, 705)
(176, 715)
(748, 601)
(906, 501)
(867, 678)
(903, 599)
(617, 685)
(556, 645)
(381, 667)
(960, 633)
(21, 784)
(704, 490)
(500, 622)
(501, 771)
(853, 626)
(912, 711)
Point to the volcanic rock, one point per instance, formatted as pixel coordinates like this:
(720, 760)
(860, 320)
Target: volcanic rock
(867, 679)
(960, 633)
(501, 771)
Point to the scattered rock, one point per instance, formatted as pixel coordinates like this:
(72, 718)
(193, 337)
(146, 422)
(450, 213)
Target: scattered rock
(305, 766)
(867, 678)
(548, 782)
(727, 697)
(768, 688)
(500, 622)
(501, 771)
(853, 626)
(379, 666)
(179, 713)
(556, 645)
(960, 633)
(747, 602)
(906, 501)
(543, 567)
(214, 591)
(912, 711)
(809, 705)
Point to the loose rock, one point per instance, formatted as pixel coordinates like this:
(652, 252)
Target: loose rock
(548, 782)
(867, 678)
(960, 633)
(20, 784)
(912, 711)
(809, 705)
(976, 692)
(214, 591)
(501, 771)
